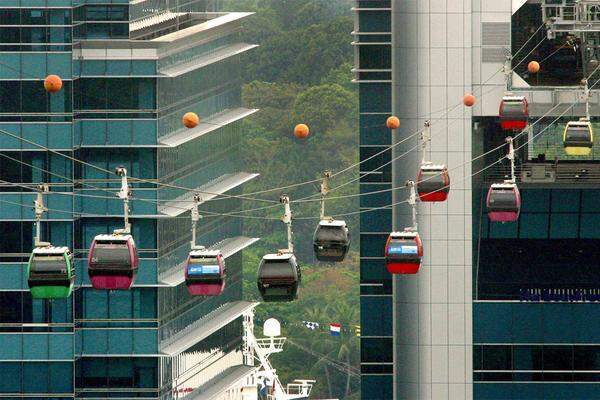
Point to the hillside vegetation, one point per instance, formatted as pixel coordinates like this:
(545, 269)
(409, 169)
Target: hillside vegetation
(301, 73)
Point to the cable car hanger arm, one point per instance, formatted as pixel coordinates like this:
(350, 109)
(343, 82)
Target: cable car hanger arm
(124, 194)
(40, 209)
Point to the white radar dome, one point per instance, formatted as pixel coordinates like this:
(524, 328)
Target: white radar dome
(272, 328)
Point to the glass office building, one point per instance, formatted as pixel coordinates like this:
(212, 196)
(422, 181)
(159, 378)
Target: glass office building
(130, 70)
(373, 49)
(497, 311)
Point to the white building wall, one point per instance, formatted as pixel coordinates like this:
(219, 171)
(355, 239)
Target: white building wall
(433, 59)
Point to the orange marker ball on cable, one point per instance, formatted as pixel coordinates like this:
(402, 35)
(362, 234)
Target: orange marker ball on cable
(53, 83)
(533, 67)
(191, 120)
(469, 100)
(393, 122)
(301, 131)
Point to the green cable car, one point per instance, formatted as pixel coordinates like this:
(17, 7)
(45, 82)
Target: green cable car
(51, 273)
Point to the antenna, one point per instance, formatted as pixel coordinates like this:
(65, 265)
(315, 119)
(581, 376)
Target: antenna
(287, 219)
(511, 157)
(195, 218)
(324, 191)
(124, 194)
(40, 209)
(426, 137)
(412, 200)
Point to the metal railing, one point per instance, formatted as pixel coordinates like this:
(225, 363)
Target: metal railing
(568, 173)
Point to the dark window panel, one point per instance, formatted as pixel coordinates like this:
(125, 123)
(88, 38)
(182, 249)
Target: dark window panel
(376, 350)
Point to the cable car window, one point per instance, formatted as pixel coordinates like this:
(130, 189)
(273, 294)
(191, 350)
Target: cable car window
(111, 254)
(278, 291)
(513, 107)
(431, 181)
(48, 265)
(204, 260)
(332, 233)
(276, 269)
(578, 133)
(503, 199)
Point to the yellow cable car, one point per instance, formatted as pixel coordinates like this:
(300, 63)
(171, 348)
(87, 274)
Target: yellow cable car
(578, 137)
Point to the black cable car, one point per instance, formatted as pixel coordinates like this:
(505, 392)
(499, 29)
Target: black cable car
(112, 262)
(279, 277)
(578, 138)
(503, 202)
(331, 240)
(514, 112)
(205, 273)
(433, 183)
(51, 273)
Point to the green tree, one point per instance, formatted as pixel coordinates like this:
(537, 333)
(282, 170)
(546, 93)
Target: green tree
(343, 76)
(323, 107)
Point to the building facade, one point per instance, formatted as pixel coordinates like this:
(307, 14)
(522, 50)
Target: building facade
(497, 311)
(130, 70)
(373, 69)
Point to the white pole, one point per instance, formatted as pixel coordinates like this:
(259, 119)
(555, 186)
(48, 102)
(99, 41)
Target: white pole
(426, 137)
(39, 212)
(195, 218)
(412, 200)
(124, 195)
(324, 191)
(511, 157)
(287, 219)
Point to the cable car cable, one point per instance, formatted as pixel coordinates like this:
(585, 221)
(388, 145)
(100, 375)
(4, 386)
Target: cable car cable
(349, 213)
(225, 195)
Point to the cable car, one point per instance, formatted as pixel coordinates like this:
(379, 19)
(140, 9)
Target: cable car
(403, 252)
(514, 112)
(112, 262)
(51, 273)
(433, 183)
(279, 277)
(205, 273)
(503, 202)
(331, 240)
(578, 138)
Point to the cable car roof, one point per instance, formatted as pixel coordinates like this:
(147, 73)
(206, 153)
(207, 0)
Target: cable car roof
(113, 237)
(205, 253)
(404, 235)
(433, 167)
(278, 256)
(513, 97)
(504, 185)
(51, 250)
(332, 222)
(581, 123)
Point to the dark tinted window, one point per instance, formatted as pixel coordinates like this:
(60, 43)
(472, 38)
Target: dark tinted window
(43, 265)
(111, 254)
(503, 198)
(277, 269)
(513, 107)
(337, 234)
(578, 134)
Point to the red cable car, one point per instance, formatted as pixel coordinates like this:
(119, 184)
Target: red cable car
(205, 273)
(503, 202)
(514, 112)
(113, 262)
(433, 183)
(403, 252)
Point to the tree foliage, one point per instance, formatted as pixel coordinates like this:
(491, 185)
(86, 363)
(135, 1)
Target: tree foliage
(321, 106)
(301, 73)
